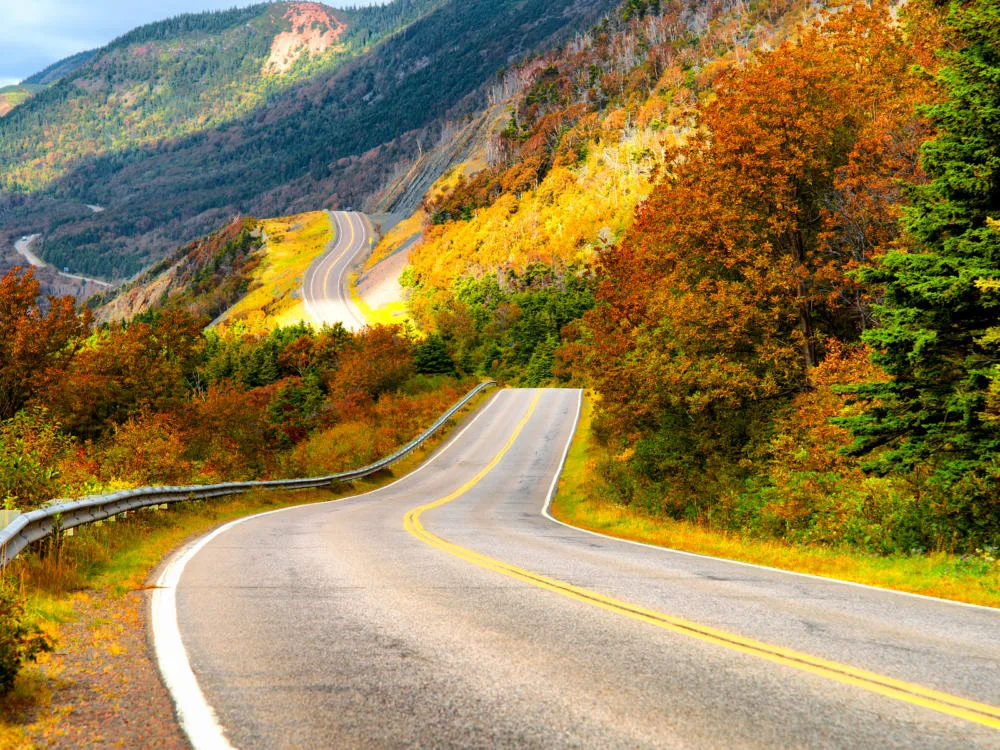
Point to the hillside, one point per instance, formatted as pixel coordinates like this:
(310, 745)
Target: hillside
(60, 69)
(247, 275)
(13, 96)
(233, 126)
(203, 278)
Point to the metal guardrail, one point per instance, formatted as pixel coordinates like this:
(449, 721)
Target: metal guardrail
(38, 524)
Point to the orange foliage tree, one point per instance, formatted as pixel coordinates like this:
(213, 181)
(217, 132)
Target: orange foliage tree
(35, 346)
(126, 371)
(716, 306)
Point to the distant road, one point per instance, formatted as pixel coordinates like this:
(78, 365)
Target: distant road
(325, 286)
(447, 611)
(23, 246)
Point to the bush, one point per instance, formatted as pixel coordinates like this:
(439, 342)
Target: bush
(32, 452)
(20, 642)
(432, 358)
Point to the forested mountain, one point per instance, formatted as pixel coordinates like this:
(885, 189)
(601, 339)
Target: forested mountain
(766, 236)
(177, 126)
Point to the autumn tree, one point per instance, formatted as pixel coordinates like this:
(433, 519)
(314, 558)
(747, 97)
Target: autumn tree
(34, 345)
(127, 370)
(716, 306)
(378, 360)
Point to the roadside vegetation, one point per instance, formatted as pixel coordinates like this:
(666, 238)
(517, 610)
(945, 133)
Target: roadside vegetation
(158, 400)
(773, 256)
(586, 499)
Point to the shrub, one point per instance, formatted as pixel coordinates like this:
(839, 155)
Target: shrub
(20, 642)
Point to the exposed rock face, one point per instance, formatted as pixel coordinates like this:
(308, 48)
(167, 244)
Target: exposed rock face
(314, 31)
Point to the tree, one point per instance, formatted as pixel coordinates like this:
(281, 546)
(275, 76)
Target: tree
(713, 297)
(33, 345)
(939, 333)
(715, 309)
(144, 367)
(431, 357)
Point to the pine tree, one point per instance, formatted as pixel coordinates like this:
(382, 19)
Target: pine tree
(432, 358)
(938, 336)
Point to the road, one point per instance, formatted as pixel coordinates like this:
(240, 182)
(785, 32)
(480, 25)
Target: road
(325, 286)
(446, 610)
(23, 246)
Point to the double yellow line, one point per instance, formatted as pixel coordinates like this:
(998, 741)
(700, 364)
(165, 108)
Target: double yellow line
(350, 244)
(978, 713)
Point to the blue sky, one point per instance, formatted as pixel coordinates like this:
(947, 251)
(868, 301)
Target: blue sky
(36, 33)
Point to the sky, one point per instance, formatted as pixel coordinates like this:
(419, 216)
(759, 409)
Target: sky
(36, 33)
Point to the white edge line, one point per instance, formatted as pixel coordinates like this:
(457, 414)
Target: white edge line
(197, 718)
(342, 288)
(307, 279)
(546, 511)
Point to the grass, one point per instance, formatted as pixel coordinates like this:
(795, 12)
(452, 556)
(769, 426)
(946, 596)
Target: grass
(579, 502)
(393, 313)
(398, 236)
(275, 296)
(117, 558)
(12, 96)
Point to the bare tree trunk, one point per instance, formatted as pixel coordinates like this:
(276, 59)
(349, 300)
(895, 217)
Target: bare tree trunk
(805, 306)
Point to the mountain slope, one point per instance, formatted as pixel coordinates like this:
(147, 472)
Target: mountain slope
(60, 69)
(13, 96)
(330, 137)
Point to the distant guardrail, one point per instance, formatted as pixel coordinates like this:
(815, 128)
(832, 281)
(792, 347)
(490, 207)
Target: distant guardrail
(38, 524)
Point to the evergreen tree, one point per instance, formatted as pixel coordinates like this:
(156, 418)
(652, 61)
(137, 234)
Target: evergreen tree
(539, 369)
(432, 358)
(938, 337)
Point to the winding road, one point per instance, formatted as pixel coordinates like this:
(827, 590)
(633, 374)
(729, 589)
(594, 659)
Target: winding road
(448, 610)
(325, 286)
(23, 247)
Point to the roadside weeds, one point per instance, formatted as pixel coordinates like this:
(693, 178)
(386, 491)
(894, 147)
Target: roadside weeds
(938, 574)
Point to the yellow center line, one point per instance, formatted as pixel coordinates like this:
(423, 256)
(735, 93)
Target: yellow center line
(329, 270)
(979, 713)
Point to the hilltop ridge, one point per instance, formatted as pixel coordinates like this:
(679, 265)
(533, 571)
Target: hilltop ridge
(179, 125)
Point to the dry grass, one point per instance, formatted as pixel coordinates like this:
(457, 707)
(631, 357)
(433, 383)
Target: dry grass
(580, 502)
(398, 236)
(393, 313)
(275, 299)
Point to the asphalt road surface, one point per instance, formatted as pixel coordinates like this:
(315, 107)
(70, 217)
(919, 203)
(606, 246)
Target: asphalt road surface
(447, 611)
(325, 286)
(23, 246)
